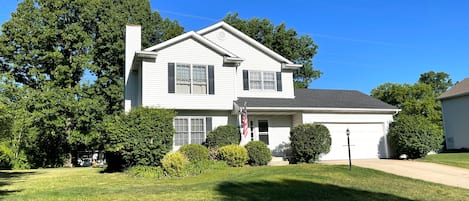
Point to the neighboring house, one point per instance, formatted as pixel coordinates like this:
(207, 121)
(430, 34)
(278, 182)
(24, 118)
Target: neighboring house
(208, 75)
(455, 108)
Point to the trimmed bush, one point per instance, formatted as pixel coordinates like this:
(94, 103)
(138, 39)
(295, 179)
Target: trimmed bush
(174, 164)
(414, 136)
(234, 155)
(308, 141)
(146, 171)
(223, 135)
(258, 152)
(195, 152)
(141, 137)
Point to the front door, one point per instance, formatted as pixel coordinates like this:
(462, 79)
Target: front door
(263, 128)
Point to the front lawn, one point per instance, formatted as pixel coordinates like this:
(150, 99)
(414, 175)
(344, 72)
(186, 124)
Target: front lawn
(453, 159)
(294, 182)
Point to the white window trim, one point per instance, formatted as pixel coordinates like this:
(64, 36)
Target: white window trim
(262, 81)
(191, 82)
(189, 129)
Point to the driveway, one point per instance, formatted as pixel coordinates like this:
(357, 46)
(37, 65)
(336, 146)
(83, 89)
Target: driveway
(443, 174)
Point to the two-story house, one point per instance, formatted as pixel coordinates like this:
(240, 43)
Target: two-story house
(208, 75)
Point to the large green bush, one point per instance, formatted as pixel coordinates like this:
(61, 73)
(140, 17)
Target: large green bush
(223, 135)
(308, 141)
(141, 137)
(194, 152)
(414, 136)
(174, 164)
(258, 152)
(6, 157)
(234, 155)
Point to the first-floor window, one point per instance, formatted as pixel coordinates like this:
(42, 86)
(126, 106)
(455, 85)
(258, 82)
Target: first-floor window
(189, 131)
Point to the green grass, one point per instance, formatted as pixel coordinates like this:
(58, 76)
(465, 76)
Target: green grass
(294, 182)
(453, 159)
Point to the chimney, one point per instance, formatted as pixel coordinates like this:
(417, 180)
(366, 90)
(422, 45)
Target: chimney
(133, 41)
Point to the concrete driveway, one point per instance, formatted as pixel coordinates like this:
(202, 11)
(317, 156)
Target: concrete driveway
(443, 174)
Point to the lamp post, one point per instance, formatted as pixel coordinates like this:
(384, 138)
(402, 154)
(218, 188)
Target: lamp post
(348, 145)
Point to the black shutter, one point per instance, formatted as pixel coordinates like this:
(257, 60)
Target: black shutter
(279, 81)
(208, 124)
(245, 80)
(171, 83)
(211, 80)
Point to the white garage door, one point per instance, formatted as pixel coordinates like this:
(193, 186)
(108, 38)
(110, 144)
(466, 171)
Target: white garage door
(366, 140)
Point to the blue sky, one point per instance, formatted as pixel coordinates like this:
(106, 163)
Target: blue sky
(362, 43)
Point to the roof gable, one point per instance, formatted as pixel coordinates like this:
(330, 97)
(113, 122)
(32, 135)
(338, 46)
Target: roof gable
(460, 89)
(225, 26)
(192, 35)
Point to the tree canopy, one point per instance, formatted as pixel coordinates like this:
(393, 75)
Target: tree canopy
(286, 42)
(46, 49)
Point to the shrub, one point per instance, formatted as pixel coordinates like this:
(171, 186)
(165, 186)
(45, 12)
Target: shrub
(223, 135)
(213, 153)
(308, 141)
(234, 155)
(414, 136)
(146, 171)
(174, 164)
(141, 137)
(195, 152)
(258, 152)
(6, 157)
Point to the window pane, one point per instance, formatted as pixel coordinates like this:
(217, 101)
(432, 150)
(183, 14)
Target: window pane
(183, 74)
(197, 131)
(255, 80)
(263, 126)
(181, 137)
(199, 89)
(200, 74)
(269, 80)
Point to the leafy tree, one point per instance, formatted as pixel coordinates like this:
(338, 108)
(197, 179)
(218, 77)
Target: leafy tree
(286, 42)
(439, 81)
(107, 31)
(308, 141)
(46, 48)
(414, 136)
(141, 137)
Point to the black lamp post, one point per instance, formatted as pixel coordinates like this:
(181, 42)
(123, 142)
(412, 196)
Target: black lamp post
(348, 145)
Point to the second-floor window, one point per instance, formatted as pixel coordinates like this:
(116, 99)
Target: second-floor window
(262, 80)
(191, 79)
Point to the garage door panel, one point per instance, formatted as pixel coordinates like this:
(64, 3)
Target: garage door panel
(364, 138)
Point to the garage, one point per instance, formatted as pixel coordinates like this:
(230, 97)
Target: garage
(366, 140)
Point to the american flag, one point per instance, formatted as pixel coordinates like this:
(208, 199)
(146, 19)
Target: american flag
(244, 121)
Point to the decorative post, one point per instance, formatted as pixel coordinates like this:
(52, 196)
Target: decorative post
(348, 144)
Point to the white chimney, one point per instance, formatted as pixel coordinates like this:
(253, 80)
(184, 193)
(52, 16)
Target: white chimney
(133, 43)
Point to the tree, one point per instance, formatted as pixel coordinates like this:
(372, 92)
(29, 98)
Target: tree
(414, 136)
(286, 42)
(107, 31)
(46, 48)
(439, 81)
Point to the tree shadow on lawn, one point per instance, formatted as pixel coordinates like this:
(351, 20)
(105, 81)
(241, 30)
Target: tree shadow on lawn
(296, 190)
(7, 178)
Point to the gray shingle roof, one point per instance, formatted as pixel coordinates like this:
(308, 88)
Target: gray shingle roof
(460, 89)
(320, 98)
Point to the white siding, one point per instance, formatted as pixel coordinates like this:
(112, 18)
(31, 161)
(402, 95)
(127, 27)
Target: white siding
(155, 79)
(456, 124)
(253, 60)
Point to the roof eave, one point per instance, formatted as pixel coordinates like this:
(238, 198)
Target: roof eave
(286, 66)
(325, 109)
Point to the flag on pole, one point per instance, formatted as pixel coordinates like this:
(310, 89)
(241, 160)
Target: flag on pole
(244, 121)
